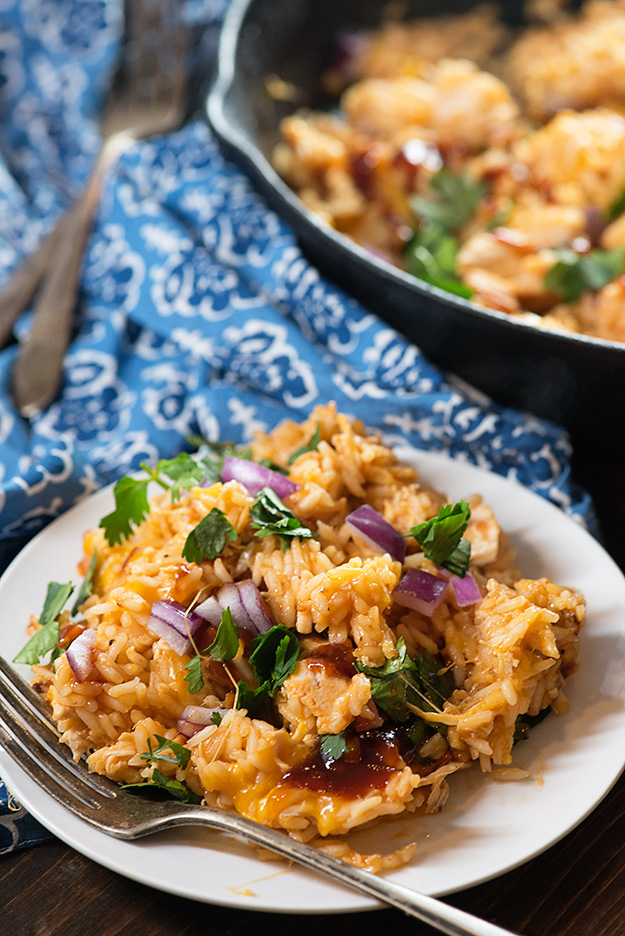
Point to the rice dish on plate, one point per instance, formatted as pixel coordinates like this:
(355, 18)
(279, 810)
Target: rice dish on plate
(485, 160)
(304, 633)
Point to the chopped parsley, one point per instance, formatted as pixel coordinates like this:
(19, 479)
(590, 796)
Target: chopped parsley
(46, 639)
(333, 746)
(176, 788)
(574, 273)
(501, 217)
(431, 256)
(273, 658)
(178, 755)
(226, 643)
(208, 539)
(224, 647)
(173, 474)
(617, 207)
(311, 446)
(194, 675)
(432, 250)
(87, 585)
(131, 509)
(441, 538)
(404, 687)
(269, 516)
(456, 199)
(402, 683)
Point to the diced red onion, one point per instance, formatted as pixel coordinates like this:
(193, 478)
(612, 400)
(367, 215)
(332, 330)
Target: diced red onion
(247, 606)
(210, 610)
(420, 591)
(196, 717)
(255, 606)
(175, 624)
(255, 477)
(465, 590)
(377, 532)
(80, 655)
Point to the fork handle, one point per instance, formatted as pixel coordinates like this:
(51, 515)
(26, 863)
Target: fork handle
(441, 916)
(20, 289)
(38, 368)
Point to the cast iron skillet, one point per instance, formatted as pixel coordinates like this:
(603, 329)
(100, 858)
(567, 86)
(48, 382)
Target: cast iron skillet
(572, 379)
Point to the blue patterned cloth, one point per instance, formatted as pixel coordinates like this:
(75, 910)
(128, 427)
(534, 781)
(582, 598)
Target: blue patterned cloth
(198, 313)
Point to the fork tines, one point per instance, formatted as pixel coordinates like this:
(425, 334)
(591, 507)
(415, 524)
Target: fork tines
(31, 739)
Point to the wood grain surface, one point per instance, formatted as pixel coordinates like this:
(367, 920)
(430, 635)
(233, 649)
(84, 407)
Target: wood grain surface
(576, 888)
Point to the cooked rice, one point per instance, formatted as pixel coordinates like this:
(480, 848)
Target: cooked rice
(538, 117)
(509, 654)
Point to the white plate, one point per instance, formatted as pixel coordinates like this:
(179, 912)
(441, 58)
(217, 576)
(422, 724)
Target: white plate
(486, 828)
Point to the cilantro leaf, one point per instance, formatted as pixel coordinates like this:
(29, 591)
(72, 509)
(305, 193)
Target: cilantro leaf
(311, 446)
(573, 273)
(47, 637)
(216, 718)
(173, 474)
(501, 217)
(403, 682)
(440, 538)
(208, 539)
(455, 201)
(194, 675)
(131, 508)
(274, 656)
(431, 252)
(224, 647)
(87, 585)
(251, 699)
(179, 754)
(431, 256)
(617, 207)
(269, 516)
(226, 643)
(333, 746)
(458, 561)
(268, 463)
(183, 471)
(176, 788)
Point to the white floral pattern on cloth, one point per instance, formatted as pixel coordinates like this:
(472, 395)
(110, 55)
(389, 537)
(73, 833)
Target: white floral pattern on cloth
(17, 828)
(198, 312)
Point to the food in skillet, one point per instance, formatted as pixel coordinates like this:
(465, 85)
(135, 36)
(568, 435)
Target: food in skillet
(485, 161)
(304, 633)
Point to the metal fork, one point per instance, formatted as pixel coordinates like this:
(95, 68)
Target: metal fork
(147, 98)
(29, 736)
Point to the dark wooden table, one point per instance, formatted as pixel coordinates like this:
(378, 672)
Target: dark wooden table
(577, 888)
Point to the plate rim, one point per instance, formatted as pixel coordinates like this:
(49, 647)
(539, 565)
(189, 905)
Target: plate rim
(427, 464)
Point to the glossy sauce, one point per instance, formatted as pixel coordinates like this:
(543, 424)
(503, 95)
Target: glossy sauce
(337, 659)
(368, 765)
